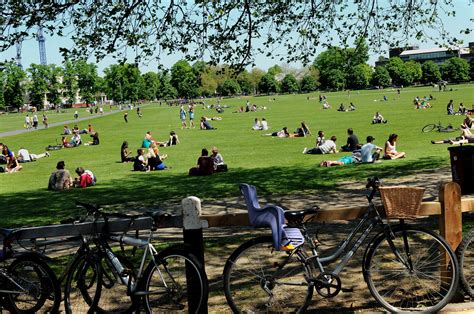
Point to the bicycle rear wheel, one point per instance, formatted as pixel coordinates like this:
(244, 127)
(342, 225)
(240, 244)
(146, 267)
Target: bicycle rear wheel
(41, 289)
(259, 279)
(428, 128)
(165, 283)
(426, 284)
(466, 262)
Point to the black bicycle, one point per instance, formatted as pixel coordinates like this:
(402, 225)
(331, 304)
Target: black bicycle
(438, 127)
(103, 281)
(406, 268)
(27, 283)
(466, 262)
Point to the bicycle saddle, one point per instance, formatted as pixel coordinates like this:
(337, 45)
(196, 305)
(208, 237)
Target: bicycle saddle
(300, 214)
(6, 233)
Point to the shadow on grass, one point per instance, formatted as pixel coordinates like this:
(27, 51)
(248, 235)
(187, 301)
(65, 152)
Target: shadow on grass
(45, 207)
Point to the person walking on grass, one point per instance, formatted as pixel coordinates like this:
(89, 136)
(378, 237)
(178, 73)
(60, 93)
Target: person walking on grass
(125, 117)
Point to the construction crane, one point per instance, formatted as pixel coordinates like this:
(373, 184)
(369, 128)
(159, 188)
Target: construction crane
(41, 44)
(18, 54)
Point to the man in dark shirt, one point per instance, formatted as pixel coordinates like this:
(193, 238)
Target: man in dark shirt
(352, 141)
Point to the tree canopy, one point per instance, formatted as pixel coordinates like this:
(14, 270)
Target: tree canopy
(226, 31)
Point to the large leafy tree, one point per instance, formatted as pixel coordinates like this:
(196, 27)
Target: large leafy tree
(124, 82)
(289, 84)
(431, 72)
(167, 91)
(398, 72)
(256, 75)
(70, 81)
(86, 80)
(456, 70)
(268, 84)
(39, 84)
(229, 87)
(208, 85)
(183, 78)
(12, 84)
(414, 70)
(309, 83)
(230, 31)
(360, 77)
(54, 84)
(245, 82)
(381, 77)
(151, 85)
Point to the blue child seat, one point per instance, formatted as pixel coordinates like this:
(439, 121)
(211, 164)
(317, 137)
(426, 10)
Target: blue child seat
(270, 216)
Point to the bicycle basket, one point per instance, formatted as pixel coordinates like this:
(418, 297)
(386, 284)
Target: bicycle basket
(401, 202)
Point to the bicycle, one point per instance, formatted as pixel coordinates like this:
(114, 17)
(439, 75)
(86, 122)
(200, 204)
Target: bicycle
(406, 268)
(27, 283)
(102, 281)
(465, 253)
(438, 127)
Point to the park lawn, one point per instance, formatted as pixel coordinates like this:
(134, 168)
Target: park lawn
(274, 165)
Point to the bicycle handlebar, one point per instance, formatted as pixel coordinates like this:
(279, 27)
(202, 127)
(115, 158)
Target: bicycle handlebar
(373, 183)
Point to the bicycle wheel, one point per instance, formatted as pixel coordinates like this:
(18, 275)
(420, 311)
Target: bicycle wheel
(466, 262)
(41, 289)
(259, 279)
(165, 285)
(426, 284)
(82, 289)
(428, 128)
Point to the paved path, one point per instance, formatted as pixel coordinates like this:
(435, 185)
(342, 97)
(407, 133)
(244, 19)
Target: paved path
(73, 121)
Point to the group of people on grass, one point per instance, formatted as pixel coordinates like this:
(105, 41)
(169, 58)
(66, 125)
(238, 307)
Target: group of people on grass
(76, 139)
(32, 121)
(466, 136)
(342, 108)
(422, 103)
(207, 165)
(461, 109)
(301, 131)
(366, 153)
(12, 161)
(61, 179)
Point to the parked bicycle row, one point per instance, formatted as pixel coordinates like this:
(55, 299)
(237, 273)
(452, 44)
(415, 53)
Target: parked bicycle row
(406, 268)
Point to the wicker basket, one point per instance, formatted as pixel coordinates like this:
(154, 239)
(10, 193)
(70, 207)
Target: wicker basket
(401, 202)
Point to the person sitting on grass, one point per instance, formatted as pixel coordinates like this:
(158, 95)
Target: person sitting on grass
(140, 163)
(65, 143)
(66, 130)
(173, 140)
(86, 178)
(264, 124)
(219, 165)
(450, 108)
(154, 160)
(60, 179)
(13, 165)
(352, 142)
(257, 126)
(390, 149)
(378, 118)
(124, 153)
(95, 139)
(302, 131)
(205, 125)
(341, 108)
(205, 165)
(75, 139)
(25, 156)
(320, 140)
(355, 157)
(465, 137)
(328, 147)
(282, 133)
(370, 152)
(352, 107)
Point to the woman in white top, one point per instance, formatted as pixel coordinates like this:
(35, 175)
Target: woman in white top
(390, 150)
(257, 125)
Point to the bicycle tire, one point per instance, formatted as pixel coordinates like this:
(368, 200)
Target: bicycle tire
(176, 264)
(82, 281)
(426, 288)
(466, 262)
(43, 291)
(244, 288)
(428, 128)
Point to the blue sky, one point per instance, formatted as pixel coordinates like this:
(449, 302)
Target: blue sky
(30, 50)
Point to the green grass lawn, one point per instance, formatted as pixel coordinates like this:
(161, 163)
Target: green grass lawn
(274, 165)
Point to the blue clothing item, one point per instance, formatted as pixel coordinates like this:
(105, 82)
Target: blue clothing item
(367, 151)
(161, 166)
(191, 115)
(182, 115)
(146, 143)
(346, 160)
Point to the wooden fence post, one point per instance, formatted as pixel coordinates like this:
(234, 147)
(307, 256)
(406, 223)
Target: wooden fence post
(450, 220)
(193, 237)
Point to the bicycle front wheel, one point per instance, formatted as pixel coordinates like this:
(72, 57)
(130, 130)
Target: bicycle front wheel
(466, 262)
(259, 279)
(175, 282)
(428, 128)
(418, 273)
(37, 286)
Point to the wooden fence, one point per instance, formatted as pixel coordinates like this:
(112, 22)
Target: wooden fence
(449, 208)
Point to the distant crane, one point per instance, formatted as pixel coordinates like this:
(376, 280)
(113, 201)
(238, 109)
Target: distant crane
(41, 44)
(18, 54)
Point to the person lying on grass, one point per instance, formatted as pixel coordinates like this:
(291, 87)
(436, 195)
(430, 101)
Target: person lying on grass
(282, 133)
(466, 137)
(328, 147)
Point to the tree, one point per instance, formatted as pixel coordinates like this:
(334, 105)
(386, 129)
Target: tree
(70, 82)
(256, 75)
(308, 83)
(229, 88)
(245, 82)
(327, 61)
(399, 72)
(208, 84)
(183, 79)
(336, 79)
(414, 70)
(167, 90)
(456, 70)
(227, 30)
(268, 84)
(86, 80)
(431, 72)
(381, 77)
(39, 75)
(289, 84)
(274, 70)
(12, 85)
(124, 82)
(54, 85)
(471, 66)
(151, 85)
(360, 77)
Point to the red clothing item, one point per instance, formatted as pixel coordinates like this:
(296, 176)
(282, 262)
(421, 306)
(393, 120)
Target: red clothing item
(85, 180)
